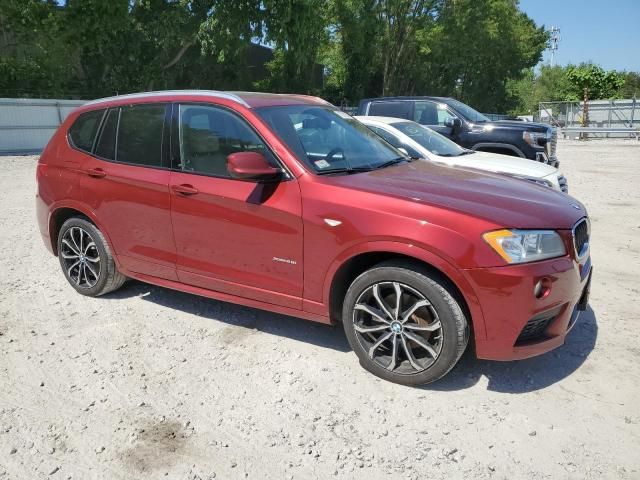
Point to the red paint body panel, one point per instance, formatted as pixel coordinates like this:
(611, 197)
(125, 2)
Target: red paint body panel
(228, 235)
(270, 245)
(137, 201)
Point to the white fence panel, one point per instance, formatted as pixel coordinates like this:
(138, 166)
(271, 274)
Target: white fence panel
(27, 124)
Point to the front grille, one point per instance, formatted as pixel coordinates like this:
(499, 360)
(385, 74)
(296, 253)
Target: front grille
(554, 143)
(581, 237)
(564, 186)
(534, 329)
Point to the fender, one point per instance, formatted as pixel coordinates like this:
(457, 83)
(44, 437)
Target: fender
(88, 212)
(421, 254)
(506, 146)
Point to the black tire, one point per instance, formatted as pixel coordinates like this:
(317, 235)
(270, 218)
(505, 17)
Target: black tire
(105, 277)
(416, 285)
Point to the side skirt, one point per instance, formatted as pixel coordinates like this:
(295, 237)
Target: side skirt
(225, 297)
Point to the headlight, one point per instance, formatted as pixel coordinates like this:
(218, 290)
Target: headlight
(523, 246)
(534, 138)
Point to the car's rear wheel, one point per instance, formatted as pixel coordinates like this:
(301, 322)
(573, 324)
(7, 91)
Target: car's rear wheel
(404, 324)
(86, 260)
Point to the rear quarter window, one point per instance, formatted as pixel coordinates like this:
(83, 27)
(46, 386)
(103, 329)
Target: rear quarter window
(83, 131)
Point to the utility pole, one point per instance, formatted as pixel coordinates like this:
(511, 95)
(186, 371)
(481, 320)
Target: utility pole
(554, 40)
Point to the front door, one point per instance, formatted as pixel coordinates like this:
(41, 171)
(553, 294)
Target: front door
(434, 115)
(237, 237)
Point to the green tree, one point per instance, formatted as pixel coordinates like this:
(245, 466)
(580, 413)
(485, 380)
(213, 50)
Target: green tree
(297, 29)
(476, 47)
(352, 54)
(549, 84)
(631, 87)
(592, 82)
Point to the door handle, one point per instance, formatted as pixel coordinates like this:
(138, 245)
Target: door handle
(96, 173)
(185, 189)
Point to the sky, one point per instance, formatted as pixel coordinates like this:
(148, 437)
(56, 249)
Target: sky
(605, 32)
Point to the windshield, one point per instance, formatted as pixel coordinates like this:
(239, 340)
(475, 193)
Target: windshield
(327, 139)
(432, 141)
(467, 112)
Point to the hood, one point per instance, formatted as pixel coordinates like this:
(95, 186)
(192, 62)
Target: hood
(504, 201)
(494, 162)
(514, 124)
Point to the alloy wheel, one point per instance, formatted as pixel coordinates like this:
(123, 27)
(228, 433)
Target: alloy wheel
(398, 327)
(81, 257)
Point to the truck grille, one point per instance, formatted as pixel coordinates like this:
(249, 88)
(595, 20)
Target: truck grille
(564, 186)
(554, 143)
(581, 237)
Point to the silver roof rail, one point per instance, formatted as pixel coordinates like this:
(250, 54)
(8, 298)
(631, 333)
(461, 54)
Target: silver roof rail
(207, 93)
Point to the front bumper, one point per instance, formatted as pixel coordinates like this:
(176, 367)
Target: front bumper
(518, 325)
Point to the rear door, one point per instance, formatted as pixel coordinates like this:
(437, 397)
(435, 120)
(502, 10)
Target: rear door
(126, 184)
(238, 237)
(396, 109)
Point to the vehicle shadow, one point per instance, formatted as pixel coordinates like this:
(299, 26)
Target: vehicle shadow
(526, 375)
(237, 315)
(507, 377)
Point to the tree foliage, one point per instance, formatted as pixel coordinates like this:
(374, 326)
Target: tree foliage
(591, 81)
(481, 51)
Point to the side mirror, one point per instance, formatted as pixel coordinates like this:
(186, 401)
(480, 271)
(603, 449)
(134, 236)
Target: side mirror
(453, 123)
(251, 166)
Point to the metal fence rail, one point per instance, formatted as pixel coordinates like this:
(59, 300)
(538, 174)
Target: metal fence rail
(27, 124)
(614, 117)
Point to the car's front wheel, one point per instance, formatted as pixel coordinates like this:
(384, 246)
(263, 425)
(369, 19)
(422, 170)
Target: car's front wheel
(404, 324)
(86, 259)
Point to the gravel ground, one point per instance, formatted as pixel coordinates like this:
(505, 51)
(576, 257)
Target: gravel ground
(149, 383)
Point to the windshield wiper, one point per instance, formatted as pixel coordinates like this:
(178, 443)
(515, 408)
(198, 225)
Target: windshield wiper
(393, 161)
(347, 170)
(466, 152)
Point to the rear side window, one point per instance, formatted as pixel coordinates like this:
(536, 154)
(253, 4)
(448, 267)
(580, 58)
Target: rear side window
(140, 135)
(400, 109)
(83, 131)
(106, 146)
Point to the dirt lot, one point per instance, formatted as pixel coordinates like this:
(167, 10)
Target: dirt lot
(151, 383)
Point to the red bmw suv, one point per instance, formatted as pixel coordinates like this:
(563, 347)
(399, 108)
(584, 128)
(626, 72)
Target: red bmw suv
(284, 203)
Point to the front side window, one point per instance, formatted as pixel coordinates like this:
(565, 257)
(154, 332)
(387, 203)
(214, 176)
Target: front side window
(140, 135)
(83, 131)
(207, 135)
(327, 139)
(432, 141)
(467, 112)
(432, 113)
